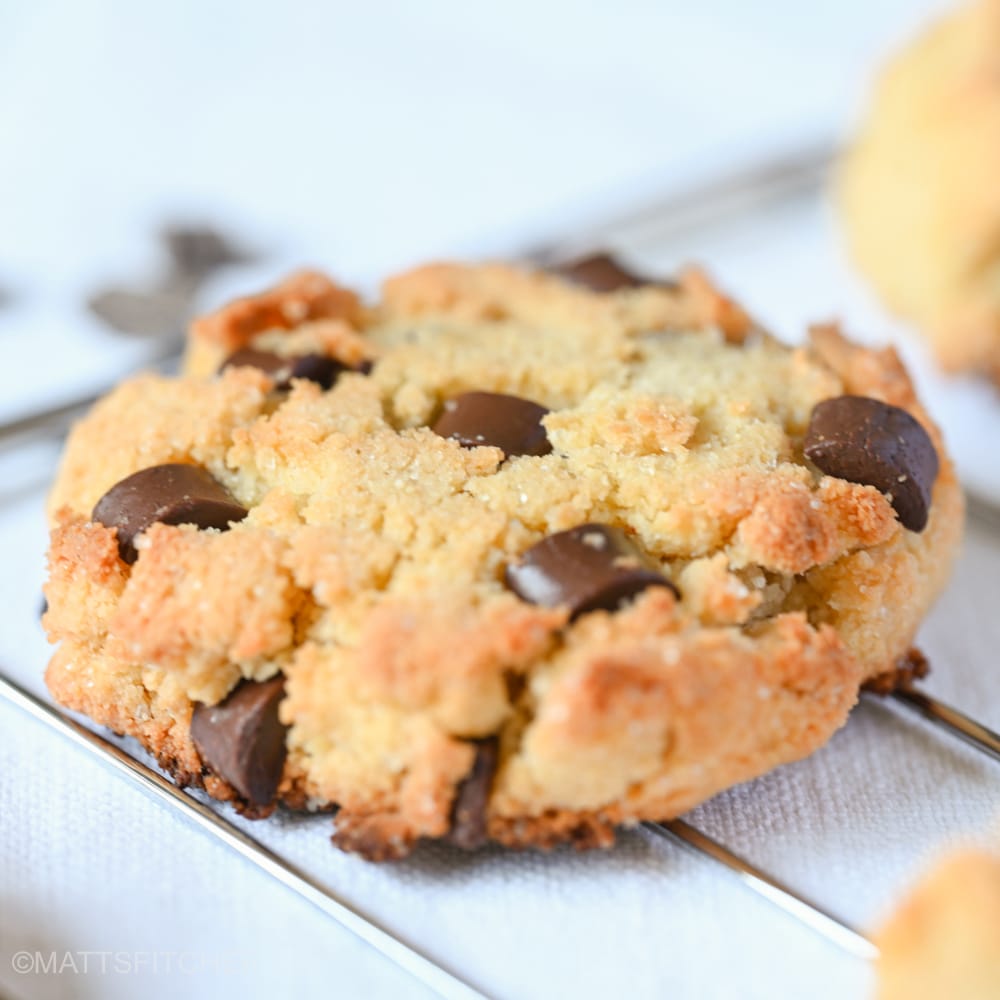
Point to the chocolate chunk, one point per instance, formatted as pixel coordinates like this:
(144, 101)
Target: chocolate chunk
(589, 567)
(170, 494)
(489, 418)
(468, 813)
(316, 367)
(43, 607)
(600, 272)
(242, 740)
(867, 441)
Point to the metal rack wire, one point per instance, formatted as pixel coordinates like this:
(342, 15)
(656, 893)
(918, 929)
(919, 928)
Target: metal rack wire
(775, 180)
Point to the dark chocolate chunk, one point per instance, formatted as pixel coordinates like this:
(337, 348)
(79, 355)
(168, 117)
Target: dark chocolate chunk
(867, 441)
(170, 494)
(600, 272)
(316, 367)
(489, 418)
(589, 567)
(468, 812)
(242, 740)
(146, 312)
(43, 607)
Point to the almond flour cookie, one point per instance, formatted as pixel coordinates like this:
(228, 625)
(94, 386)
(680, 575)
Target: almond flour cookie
(506, 555)
(918, 191)
(944, 940)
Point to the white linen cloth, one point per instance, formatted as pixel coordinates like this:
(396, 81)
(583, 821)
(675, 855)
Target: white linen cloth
(361, 140)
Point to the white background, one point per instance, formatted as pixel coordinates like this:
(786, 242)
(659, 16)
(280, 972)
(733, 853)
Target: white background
(362, 137)
(365, 136)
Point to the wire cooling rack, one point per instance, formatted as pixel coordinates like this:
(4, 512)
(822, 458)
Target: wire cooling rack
(772, 183)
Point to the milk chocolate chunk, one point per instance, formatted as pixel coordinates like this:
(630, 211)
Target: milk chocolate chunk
(316, 367)
(242, 740)
(601, 272)
(870, 442)
(586, 568)
(170, 494)
(468, 813)
(510, 423)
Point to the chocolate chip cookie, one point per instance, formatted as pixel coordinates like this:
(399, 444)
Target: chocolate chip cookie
(918, 189)
(504, 556)
(944, 939)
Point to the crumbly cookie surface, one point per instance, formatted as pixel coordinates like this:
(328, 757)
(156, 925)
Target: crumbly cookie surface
(918, 192)
(371, 568)
(944, 940)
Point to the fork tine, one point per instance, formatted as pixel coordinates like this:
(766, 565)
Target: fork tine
(951, 720)
(439, 979)
(814, 916)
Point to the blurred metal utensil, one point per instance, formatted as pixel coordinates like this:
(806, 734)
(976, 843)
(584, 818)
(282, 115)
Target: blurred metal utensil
(812, 914)
(431, 974)
(714, 201)
(951, 720)
(198, 250)
(446, 983)
(145, 312)
(709, 204)
(194, 252)
(54, 421)
(795, 173)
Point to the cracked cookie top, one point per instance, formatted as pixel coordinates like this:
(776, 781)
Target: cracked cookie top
(603, 531)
